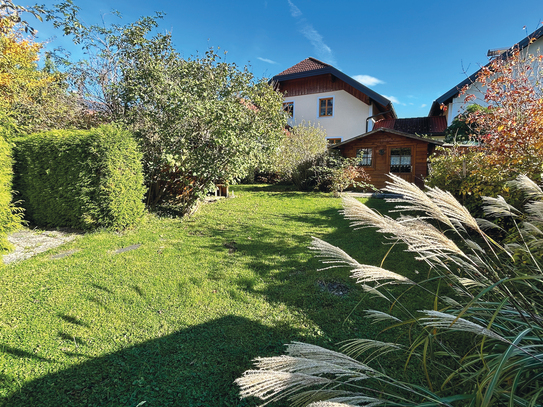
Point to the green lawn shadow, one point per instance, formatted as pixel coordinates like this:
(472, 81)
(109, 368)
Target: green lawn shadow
(326, 297)
(186, 368)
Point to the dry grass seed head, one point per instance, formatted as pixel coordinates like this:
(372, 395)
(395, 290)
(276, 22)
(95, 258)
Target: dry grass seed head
(272, 385)
(333, 255)
(485, 224)
(365, 274)
(317, 353)
(526, 185)
(374, 291)
(423, 238)
(498, 207)
(420, 236)
(359, 346)
(535, 211)
(415, 197)
(437, 319)
(378, 316)
(347, 401)
(452, 209)
(308, 366)
(360, 215)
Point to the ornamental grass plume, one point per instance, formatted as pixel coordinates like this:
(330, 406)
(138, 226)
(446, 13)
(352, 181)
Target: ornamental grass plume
(479, 343)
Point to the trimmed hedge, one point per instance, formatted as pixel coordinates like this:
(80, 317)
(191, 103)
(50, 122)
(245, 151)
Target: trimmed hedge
(82, 179)
(10, 217)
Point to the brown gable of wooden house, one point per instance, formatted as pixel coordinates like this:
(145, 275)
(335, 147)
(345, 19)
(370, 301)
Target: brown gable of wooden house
(381, 142)
(307, 65)
(319, 84)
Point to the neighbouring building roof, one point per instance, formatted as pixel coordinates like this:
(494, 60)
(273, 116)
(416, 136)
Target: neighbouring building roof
(430, 126)
(391, 131)
(313, 67)
(307, 65)
(448, 96)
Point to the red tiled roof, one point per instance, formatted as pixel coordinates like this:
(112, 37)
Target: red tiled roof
(308, 64)
(415, 125)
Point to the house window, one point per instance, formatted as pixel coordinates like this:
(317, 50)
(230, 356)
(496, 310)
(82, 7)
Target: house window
(400, 160)
(334, 140)
(326, 107)
(364, 156)
(289, 108)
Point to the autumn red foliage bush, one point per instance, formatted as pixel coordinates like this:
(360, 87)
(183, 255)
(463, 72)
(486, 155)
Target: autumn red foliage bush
(512, 140)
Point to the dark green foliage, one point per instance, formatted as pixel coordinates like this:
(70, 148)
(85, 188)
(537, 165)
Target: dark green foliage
(464, 173)
(10, 217)
(81, 178)
(330, 172)
(460, 131)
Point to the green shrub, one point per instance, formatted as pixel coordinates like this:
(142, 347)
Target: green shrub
(10, 216)
(460, 131)
(466, 174)
(301, 148)
(81, 178)
(331, 172)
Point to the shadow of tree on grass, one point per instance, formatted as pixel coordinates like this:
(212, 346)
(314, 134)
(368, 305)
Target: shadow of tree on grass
(191, 367)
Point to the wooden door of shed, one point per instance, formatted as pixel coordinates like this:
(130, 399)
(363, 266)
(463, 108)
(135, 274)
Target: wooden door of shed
(408, 176)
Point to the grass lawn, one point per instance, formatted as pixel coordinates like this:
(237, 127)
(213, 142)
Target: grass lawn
(174, 321)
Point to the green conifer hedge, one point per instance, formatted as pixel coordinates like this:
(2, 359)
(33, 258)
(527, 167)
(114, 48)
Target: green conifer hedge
(10, 217)
(82, 179)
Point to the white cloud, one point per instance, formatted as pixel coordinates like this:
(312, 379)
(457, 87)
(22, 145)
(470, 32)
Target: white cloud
(368, 80)
(322, 50)
(269, 61)
(423, 105)
(393, 99)
(294, 11)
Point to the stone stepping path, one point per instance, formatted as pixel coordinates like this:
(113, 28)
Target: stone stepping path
(28, 243)
(63, 254)
(127, 249)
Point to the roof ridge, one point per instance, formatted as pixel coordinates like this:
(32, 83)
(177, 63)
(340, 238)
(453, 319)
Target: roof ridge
(306, 65)
(318, 60)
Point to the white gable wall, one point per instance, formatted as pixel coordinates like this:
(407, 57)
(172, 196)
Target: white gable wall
(349, 116)
(457, 105)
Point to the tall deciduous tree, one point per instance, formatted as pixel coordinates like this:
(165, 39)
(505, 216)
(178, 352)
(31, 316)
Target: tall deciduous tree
(35, 98)
(198, 120)
(509, 131)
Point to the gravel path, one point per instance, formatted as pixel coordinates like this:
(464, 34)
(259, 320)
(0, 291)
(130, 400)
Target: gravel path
(28, 243)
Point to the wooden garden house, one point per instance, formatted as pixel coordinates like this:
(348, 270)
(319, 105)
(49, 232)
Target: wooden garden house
(382, 151)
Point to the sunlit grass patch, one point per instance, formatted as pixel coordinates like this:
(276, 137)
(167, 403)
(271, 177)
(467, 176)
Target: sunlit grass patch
(176, 319)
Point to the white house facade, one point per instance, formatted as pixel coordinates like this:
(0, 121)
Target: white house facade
(316, 92)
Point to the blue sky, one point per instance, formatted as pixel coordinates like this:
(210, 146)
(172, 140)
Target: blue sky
(409, 51)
